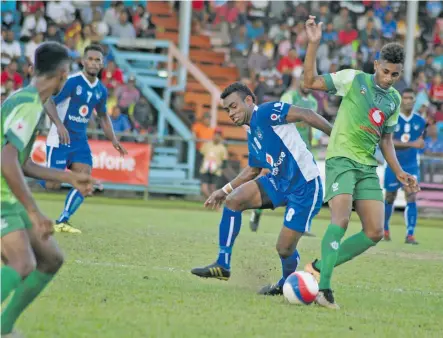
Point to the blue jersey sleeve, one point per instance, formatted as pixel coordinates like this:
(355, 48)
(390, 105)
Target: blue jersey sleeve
(101, 108)
(253, 162)
(66, 91)
(272, 113)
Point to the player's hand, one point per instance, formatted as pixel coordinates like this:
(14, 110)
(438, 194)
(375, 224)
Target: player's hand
(410, 183)
(216, 199)
(63, 135)
(119, 148)
(313, 30)
(83, 182)
(418, 144)
(41, 223)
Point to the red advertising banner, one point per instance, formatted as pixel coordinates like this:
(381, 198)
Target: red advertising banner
(108, 166)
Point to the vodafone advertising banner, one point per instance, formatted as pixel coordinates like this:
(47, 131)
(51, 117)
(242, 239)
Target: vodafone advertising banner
(108, 166)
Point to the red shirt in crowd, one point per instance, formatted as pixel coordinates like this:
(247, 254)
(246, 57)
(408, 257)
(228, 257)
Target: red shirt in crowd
(30, 7)
(346, 37)
(112, 80)
(16, 78)
(286, 62)
(198, 5)
(436, 93)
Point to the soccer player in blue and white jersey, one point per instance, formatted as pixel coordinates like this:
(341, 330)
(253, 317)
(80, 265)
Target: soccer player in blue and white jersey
(293, 181)
(67, 142)
(408, 140)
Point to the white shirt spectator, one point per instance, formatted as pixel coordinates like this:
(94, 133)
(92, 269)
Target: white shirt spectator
(31, 24)
(61, 12)
(10, 50)
(30, 48)
(362, 22)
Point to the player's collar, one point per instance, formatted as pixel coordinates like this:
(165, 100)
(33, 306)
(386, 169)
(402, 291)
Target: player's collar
(407, 118)
(92, 85)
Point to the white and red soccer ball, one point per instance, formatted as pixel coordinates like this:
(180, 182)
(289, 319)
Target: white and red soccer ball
(300, 288)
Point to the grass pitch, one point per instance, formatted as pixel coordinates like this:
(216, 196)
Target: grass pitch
(128, 276)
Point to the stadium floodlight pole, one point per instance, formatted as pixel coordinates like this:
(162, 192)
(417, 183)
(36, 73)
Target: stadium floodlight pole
(412, 13)
(184, 35)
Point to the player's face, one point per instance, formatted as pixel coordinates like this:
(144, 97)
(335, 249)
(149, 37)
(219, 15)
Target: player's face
(93, 62)
(239, 110)
(408, 100)
(386, 73)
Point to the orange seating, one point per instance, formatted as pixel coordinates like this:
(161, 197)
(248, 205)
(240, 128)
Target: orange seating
(206, 56)
(168, 24)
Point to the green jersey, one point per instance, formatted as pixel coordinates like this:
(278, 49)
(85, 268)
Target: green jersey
(365, 113)
(21, 113)
(308, 102)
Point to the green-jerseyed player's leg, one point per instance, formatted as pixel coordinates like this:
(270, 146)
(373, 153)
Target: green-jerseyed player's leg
(10, 280)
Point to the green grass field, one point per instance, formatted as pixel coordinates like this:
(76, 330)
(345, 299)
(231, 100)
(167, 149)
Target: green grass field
(128, 275)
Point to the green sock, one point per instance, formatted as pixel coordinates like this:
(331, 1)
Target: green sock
(10, 280)
(258, 211)
(24, 295)
(350, 248)
(330, 246)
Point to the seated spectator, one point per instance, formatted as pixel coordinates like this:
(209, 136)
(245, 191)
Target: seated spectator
(279, 32)
(10, 47)
(341, 19)
(54, 34)
(300, 31)
(240, 41)
(438, 57)
(10, 74)
(428, 68)
(120, 122)
(347, 35)
(436, 91)
(266, 44)
(73, 54)
(214, 155)
(31, 46)
(127, 94)
(123, 28)
(30, 7)
(286, 45)
(112, 14)
(112, 76)
(330, 34)
(27, 73)
(258, 61)
(144, 27)
(389, 27)
(324, 14)
(368, 33)
(34, 23)
(98, 24)
(381, 8)
(287, 65)
(254, 30)
(362, 21)
(142, 115)
(112, 100)
(61, 12)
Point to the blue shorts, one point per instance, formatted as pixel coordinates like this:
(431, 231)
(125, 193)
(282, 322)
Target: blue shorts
(63, 156)
(302, 205)
(391, 183)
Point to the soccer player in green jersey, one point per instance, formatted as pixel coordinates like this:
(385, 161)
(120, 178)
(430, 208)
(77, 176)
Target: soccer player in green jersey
(30, 255)
(366, 118)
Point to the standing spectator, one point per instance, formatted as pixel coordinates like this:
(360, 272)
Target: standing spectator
(202, 131)
(143, 25)
(324, 14)
(112, 14)
(389, 27)
(436, 91)
(127, 94)
(287, 65)
(368, 33)
(428, 67)
(362, 21)
(30, 7)
(112, 100)
(61, 12)
(10, 47)
(123, 28)
(112, 76)
(10, 74)
(120, 122)
(279, 32)
(257, 61)
(214, 155)
(255, 30)
(347, 35)
(340, 20)
(240, 41)
(438, 57)
(31, 46)
(27, 73)
(330, 34)
(382, 8)
(434, 148)
(34, 23)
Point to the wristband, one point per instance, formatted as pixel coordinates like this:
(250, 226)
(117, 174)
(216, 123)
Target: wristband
(227, 189)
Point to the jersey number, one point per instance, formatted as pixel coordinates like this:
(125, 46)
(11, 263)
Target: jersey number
(89, 96)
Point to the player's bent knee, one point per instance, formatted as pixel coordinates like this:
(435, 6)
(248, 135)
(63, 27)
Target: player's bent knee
(390, 197)
(374, 234)
(284, 251)
(234, 203)
(411, 198)
(342, 221)
(51, 264)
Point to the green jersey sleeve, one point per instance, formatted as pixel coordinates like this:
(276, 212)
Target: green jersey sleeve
(286, 97)
(340, 83)
(20, 124)
(390, 124)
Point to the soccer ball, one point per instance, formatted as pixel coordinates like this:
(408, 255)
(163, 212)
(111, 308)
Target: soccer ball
(300, 288)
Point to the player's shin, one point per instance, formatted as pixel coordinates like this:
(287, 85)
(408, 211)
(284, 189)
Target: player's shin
(229, 228)
(73, 201)
(24, 295)
(329, 253)
(10, 281)
(289, 265)
(411, 218)
(389, 208)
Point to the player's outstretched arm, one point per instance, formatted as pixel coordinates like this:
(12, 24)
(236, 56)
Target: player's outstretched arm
(296, 114)
(81, 181)
(311, 79)
(388, 150)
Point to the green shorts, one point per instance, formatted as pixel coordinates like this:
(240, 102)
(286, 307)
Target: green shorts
(14, 218)
(345, 176)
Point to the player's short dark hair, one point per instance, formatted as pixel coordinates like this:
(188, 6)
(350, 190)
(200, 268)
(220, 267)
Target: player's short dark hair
(408, 90)
(48, 58)
(95, 47)
(240, 88)
(393, 53)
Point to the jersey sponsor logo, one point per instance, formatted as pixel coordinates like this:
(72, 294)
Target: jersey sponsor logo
(392, 106)
(363, 90)
(259, 133)
(275, 117)
(334, 186)
(83, 110)
(78, 119)
(98, 95)
(407, 128)
(275, 165)
(103, 160)
(273, 183)
(405, 138)
(257, 143)
(416, 126)
(377, 117)
(79, 90)
(277, 104)
(38, 153)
